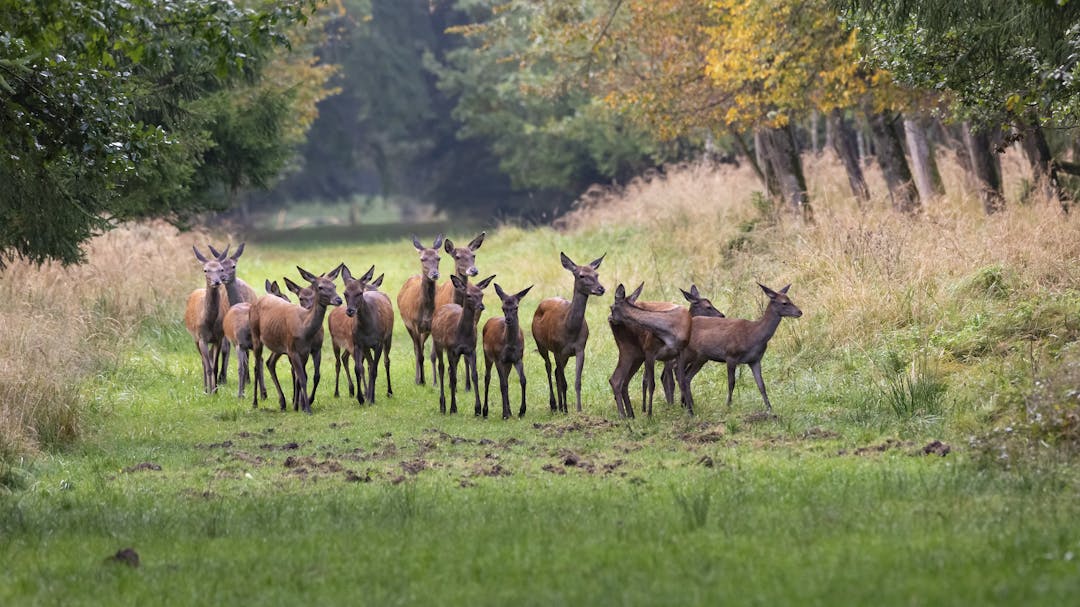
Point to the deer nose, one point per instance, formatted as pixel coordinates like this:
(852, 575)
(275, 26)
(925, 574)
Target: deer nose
(336, 301)
(599, 290)
(473, 271)
(434, 275)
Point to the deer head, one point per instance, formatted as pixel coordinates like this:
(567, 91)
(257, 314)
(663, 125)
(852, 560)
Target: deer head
(510, 303)
(272, 288)
(355, 288)
(323, 285)
(465, 257)
(228, 262)
(586, 280)
(699, 306)
(778, 301)
(213, 269)
(473, 293)
(429, 257)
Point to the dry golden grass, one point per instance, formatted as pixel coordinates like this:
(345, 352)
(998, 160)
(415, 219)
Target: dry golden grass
(62, 325)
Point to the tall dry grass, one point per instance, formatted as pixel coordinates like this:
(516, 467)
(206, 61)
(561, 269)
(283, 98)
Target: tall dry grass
(63, 325)
(951, 289)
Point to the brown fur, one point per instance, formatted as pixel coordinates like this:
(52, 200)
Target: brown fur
(416, 302)
(369, 328)
(203, 318)
(453, 332)
(504, 346)
(559, 327)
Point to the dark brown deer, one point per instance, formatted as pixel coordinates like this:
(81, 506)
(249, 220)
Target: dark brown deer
(559, 328)
(341, 338)
(699, 306)
(504, 346)
(644, 333)
(464, 267)
(453, 332)
(203, 318)
(365, 328)
(291, 330)
(237, 328)
(734, 341)
(416, 302)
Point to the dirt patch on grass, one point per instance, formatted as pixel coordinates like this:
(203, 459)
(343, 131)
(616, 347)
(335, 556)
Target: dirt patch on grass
(705, 433)
(489, 469)
(889, 445)
(588, 426)
(145, 466)
(415, 466)
(760, 416)
(936, 448)
(819, 433)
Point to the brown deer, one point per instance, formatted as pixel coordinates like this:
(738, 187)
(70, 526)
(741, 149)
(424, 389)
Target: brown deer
(464, 267)
(341, 339)
(644, 333)
(237, 291)
(734, 341)
(237, 328)
(504, 346)
(292, 331)
(363, 328)
(416, 302)
(559, 328)
(699, 306)
(453, 331)
(203, 317)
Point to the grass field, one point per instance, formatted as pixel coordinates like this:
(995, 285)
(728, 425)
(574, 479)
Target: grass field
(921, 450)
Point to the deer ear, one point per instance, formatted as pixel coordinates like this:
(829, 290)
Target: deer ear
(239, 251)
(694, 292)
(438, 241)
(784, 290)
(332, 274)
(378, 281)
(268, 286)
(596, 262)
(308, 276)
(567, 262)
(367, 275)
(637, 293)
(292, 286)
(202, 258)
(499, 291)
(458, 283)
(523, 292)
(449, 246)
(768, 291)
(484, 283)
(620, 292)
(416, 243)
(476, 242)
(215, 252)
(346, 275)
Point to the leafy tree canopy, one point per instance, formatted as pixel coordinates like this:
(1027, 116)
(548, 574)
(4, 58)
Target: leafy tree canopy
(106, 109)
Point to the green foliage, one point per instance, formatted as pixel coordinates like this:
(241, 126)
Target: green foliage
(96, 124)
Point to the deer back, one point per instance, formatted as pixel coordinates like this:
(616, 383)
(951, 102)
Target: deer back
(341, 329)
(237, 325)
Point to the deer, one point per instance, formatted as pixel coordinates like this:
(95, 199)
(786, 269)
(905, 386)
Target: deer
(341, 340)
(504, 346)
(363, 328)
(416, 302)
(644, 333)
(203, 317)
(237, 328)
(734, 341)
(290, 330)
(453, 332)
(559, 328)
(237, 292)
(699, 306)
(464, 267)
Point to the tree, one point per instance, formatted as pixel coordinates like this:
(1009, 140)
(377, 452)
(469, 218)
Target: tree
(96, 109)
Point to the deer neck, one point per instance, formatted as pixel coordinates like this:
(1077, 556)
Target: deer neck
(466, 331)
(660, 324)
(364, 316)
(459, 297)
(312, 321)
(766, 326)
(212, 303)
(576, 319)
(233, 293)
(427, 298)
(511, 327)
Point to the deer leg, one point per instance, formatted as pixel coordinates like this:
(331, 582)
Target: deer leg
(316, 364)
(259, 381)
(504, 389)
(519, 365)
(688, 372)
(453, 379)
(551, 390)
(423, 338)
(442, 393)
(470, 370)
(241, 371)
(373, 373)
(208, 366)
(577, 376)
(223, 358)
(487, 379)
(755, 368)
(648, 380)
(730, 381)
(560, 383)
(337, 371)
(386, 368)
(667, 379)
(300, 374)
(358, 370)
(418, 354)
(271, 366)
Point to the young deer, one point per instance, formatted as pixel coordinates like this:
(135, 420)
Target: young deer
(237, 291)
(453, 331)
(203, 317)
(559, 327)
(365, 328)
(416, 302)
(734, 341)
(504, 346)
(292, 331)
(644, 333)
(464, 267)
(341, 338)
(699, 306)
(237, 327)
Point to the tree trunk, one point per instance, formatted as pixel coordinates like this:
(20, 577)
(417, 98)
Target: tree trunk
(985, 168)
(894, 166)
(1043, 168)
(923, 164)
(753, 157)
(841, 137)
(814, 132)
(784, 169)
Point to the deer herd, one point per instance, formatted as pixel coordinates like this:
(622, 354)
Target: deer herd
(227, 313)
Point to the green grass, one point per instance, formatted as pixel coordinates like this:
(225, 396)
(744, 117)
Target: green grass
(830, 502)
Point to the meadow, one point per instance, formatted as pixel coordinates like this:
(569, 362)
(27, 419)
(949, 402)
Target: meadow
(921, 448)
